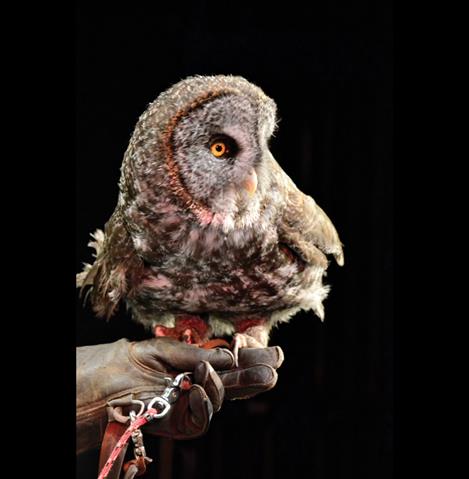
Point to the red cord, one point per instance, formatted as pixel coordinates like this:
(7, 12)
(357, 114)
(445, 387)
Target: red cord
(138, 423)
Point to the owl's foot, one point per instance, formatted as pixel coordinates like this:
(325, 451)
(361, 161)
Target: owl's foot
(185, 335)
(188, 329)
(241, 340)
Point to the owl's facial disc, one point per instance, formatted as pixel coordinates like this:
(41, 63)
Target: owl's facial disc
(216, 148)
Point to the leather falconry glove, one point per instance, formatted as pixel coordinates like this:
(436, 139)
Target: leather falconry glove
(120, 371)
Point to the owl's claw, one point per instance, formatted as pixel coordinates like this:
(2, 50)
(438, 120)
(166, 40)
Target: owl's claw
(237, 341)
(241, 340)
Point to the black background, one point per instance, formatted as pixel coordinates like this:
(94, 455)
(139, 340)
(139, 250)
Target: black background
(330, 72)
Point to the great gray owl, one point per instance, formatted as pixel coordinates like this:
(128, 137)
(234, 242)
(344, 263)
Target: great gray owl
(210, 236)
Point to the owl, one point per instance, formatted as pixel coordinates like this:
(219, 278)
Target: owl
(210, 237)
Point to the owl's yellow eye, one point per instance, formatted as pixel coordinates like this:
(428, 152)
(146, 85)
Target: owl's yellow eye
(218, 149)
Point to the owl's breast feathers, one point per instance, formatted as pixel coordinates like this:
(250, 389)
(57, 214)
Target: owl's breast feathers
(198, 271)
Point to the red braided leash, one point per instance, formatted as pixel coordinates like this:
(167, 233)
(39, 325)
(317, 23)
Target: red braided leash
(138, 423)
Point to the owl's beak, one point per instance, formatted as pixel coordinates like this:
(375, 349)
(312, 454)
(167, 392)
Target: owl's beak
(250, 183)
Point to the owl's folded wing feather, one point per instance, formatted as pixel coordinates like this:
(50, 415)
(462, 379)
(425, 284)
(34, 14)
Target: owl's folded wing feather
(305, 227)
(115, 269)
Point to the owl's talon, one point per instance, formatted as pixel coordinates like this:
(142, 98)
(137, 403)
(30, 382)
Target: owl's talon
(237, 344)
(243, 341)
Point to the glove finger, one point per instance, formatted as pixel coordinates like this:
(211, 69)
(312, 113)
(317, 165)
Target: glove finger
(201, 410)
(208, 379)
(167, 354)
(248, 382)
(272, 356)
(188, 418)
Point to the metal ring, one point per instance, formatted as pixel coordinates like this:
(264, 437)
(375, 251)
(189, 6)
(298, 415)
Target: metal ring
(142, 406)
(166, 405)
(117, 415)
(155, 399)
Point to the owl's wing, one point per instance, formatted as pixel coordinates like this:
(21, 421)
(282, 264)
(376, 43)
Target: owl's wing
(114, 271)
(304, 226)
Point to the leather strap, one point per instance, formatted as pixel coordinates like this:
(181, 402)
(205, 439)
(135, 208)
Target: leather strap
(113, 433)
(215, 343)
(135, 467)
(131, 472)
(115, 443)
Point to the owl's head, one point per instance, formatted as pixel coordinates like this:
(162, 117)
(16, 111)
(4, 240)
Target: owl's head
(205, 138)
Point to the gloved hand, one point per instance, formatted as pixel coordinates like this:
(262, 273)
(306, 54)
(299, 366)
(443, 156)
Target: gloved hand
(137, 370)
